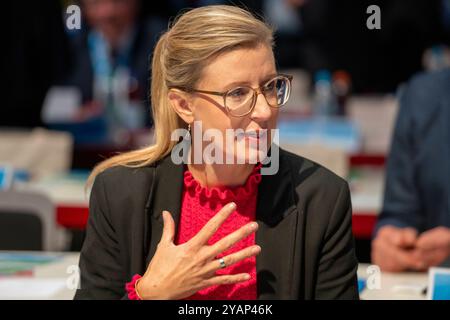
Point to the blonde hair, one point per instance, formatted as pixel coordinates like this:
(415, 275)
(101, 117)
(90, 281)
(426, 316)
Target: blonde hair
(179, 56)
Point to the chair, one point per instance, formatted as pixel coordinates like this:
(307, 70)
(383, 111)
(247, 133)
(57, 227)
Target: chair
(28, 222)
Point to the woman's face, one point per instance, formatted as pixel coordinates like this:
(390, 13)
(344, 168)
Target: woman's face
(251, 67)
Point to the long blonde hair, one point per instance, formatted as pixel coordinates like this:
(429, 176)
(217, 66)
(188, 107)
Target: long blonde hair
(179, 57)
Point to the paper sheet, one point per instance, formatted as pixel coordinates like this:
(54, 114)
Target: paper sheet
(30, 288)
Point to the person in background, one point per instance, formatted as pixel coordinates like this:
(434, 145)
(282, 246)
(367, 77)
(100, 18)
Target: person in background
(413, 230)
(110, 64)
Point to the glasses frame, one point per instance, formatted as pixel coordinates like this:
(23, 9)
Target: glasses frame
(256, 92)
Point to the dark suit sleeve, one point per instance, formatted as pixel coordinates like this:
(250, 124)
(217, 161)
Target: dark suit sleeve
(401, 206)
(101, 272)
(336, 278)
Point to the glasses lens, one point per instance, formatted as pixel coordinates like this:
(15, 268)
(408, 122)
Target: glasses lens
(239, 100)
(277, 91)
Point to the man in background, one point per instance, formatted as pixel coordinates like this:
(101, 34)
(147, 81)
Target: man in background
(413, 230)
(110, 68)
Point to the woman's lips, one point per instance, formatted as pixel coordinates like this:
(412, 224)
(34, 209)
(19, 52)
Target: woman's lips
(254, 135)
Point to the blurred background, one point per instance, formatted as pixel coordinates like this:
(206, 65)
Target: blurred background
(74, 96)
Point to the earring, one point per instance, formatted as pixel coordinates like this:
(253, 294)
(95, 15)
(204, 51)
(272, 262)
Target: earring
(187, 137)
(187, 143)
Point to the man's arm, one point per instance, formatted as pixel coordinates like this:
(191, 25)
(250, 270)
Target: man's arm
(401, 206)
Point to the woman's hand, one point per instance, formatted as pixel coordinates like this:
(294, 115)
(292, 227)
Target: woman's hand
(178, 271)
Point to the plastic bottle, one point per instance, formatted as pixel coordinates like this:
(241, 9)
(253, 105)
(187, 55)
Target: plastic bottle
(324, 98)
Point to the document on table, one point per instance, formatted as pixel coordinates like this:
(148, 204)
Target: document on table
(19, 263)
(12, 288)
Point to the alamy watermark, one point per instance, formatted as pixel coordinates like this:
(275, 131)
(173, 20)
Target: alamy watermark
(374, 20)
(73, 280)
(73, 17)
(373, 281)
(235, 146)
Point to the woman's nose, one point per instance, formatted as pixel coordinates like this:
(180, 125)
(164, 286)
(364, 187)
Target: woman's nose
(262, 111)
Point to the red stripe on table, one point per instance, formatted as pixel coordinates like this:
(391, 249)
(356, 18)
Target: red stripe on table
(72, 217)
(363, 224)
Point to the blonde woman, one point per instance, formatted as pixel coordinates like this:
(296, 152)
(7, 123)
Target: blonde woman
(161, 229)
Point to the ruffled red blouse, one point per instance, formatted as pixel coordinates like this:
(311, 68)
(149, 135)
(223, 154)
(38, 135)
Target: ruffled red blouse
(199, 205)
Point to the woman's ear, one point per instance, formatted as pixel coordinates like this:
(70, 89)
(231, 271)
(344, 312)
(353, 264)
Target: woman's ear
(182, 105)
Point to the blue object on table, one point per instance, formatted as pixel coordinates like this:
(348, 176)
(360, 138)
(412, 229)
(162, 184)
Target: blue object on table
(440, 284)
(21, 175)
(30, 257)
(6, 177)
(16, 263)
(332, 132)
(9, 175)
(361, 285)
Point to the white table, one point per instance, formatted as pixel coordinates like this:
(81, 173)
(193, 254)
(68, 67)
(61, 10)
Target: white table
(395, 286)
(48, 281)
(46, 277)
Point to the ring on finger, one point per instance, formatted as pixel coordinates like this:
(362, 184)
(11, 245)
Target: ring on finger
(222, 263)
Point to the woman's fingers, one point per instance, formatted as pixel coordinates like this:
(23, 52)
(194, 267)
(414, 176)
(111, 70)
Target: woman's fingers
(200, 270)
(227, 242)
(226, 279)
(230, 259)
(202, 237)
(168, 234)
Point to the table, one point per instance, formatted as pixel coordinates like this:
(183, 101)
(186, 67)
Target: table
(54, 276)
(54, 279)
(395, 286)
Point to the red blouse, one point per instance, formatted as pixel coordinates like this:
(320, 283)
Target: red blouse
(199, 205)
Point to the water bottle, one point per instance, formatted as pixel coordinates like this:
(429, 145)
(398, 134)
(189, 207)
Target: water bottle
(324, 99)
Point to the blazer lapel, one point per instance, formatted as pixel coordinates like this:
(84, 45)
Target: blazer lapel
(166, 194)
(277, 216)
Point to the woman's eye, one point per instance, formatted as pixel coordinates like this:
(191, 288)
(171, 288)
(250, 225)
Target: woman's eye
(237, 93)
(270, 87)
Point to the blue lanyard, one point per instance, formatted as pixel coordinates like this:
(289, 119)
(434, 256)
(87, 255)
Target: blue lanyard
(99, 53)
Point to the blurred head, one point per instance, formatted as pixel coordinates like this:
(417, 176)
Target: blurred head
(111, 17)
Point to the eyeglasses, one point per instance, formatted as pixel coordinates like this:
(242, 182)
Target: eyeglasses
(241, 101)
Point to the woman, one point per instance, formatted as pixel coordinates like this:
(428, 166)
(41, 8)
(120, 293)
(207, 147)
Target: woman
(161, 229)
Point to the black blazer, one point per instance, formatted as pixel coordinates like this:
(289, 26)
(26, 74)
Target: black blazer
(305, 230)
